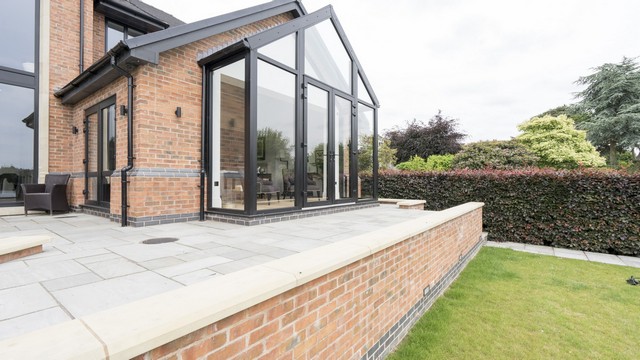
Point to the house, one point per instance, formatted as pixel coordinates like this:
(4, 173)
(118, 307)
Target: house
(257, 115)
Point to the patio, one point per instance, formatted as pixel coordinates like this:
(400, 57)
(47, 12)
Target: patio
(93, 264)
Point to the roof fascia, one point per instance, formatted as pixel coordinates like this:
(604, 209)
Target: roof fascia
(126, 16)
(97, 75)
(184, 34)
(280, 31)
(224, 52)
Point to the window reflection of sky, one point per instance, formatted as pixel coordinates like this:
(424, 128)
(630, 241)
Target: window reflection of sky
(17, 34)
(16, 147)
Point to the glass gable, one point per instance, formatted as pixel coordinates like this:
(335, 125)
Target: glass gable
(363, 93)
(325, 57)
(307, 140)
(283, 50)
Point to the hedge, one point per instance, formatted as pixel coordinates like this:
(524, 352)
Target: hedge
(580, 209)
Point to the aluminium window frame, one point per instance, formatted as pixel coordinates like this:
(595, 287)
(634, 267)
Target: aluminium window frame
(125, 33)
(249, 49)
(25, 79)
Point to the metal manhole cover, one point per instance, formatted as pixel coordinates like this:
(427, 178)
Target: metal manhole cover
(160, 240)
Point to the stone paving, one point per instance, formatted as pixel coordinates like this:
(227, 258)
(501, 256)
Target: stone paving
(93, 264)
(570, 254)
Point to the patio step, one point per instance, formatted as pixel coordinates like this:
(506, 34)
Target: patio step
(405, 203)
(20, 246)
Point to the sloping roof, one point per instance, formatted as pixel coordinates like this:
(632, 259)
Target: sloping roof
(147, 48)
(136, 14)
(137, 5)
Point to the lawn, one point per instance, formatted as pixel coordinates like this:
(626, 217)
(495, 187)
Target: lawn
(515, 305)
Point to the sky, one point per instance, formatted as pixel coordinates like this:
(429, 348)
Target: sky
(490, 64)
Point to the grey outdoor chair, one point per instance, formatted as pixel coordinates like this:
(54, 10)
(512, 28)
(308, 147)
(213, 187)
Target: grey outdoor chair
(50, 196)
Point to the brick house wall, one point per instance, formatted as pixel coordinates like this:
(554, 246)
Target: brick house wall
(165, 178)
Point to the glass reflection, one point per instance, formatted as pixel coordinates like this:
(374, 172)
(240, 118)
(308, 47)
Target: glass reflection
(317, 140)
(342, 146)
(283, 50)
(228, 135)
(276, 137)
(16, 141)
(326, 58)
(365, 151)
(363, 94)
(17, 34)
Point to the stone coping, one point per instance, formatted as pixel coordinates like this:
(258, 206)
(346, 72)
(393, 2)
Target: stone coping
(17, 243)
(129, 330)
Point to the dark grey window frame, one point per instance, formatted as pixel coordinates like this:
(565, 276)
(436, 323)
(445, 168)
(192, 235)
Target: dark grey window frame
(248, 49)
(125, 32)
(17, 77)
(96, 109)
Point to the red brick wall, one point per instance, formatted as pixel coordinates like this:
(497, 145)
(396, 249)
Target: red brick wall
(340, 315)
(161, 139)
(232, 136)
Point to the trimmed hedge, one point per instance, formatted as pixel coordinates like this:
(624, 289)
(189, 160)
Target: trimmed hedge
(581, 209)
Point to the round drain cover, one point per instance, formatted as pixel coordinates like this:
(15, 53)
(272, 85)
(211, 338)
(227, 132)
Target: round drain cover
(160, 240)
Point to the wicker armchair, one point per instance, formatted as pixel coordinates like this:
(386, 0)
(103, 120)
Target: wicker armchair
(50, 196)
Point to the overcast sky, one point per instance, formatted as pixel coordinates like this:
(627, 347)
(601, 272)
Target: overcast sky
(491, 64)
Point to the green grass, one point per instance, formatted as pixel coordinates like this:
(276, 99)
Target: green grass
(515, 305)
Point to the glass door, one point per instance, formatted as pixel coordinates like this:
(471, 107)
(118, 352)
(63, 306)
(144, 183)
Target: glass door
(100, 153)
(317, 159)
(328, 137)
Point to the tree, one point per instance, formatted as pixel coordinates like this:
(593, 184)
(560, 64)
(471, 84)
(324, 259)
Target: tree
(496, 154)
(574, 111)
(386, 155)
(439, 136)
(558, 144)
(612, 97)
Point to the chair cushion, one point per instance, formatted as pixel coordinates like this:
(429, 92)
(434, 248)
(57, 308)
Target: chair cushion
(51, 180)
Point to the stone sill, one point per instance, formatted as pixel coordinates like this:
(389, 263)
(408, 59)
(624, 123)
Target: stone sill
(137, 327)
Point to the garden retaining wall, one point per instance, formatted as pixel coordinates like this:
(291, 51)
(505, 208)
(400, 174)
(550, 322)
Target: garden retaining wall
(353, 299)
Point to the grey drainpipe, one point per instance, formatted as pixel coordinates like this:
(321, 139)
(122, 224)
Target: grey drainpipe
(202, 142)
(81, 65)
(124, 170)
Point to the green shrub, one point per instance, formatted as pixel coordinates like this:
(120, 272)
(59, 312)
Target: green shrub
(416, 163)
(433, 163)
(577, 209)
(440, 162)
(494, 154)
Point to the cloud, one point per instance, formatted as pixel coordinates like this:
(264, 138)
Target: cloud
(492, 63)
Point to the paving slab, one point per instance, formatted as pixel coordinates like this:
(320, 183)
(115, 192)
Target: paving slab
(537, 249)
(32, 321)
(630, 261)
(570, 254)
(31, 298)
(604, 258)
(87, 299)
(71, 281)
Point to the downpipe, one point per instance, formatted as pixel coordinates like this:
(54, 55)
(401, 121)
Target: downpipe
(203, 142)
(126, 169)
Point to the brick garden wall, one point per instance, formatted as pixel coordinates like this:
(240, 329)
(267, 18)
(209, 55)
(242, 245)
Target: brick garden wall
(360, 311)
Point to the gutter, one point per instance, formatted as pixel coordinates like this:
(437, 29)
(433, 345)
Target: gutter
(126, 169)
(203, 165)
